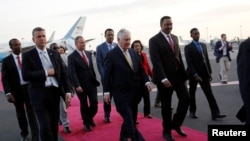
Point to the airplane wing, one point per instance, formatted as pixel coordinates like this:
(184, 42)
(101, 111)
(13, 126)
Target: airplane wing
(88, 40)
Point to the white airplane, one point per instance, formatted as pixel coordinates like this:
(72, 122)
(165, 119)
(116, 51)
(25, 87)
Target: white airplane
(67, 41)
(5, 49)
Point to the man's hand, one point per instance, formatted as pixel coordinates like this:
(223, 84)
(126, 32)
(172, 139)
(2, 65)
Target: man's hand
(198, 79)
(68, 99)
(51, 72)
(149, 86)
(106, 98)
(10, 98)
(167, 83)
(79, 89)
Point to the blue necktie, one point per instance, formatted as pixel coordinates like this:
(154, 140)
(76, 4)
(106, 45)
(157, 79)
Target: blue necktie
(199, 47)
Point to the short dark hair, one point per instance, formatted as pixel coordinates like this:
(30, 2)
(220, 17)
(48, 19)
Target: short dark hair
(137, 41)
(108, 29)
(163, 18)
(61, 46)
(53, 46)
(37, 29)
(77, 38)
(193, 29)
(11, 41)
(222, 35)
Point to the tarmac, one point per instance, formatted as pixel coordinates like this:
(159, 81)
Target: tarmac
(227, 96)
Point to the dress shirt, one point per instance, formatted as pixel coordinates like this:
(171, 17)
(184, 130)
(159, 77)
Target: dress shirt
(50, 80)
(22, 82)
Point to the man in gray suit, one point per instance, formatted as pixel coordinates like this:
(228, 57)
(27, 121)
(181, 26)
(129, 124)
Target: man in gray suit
(101, 51)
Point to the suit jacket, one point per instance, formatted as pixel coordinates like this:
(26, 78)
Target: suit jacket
(164, 60)
(196, 62)
(101, 52)
(81, 74)
(219, 53)
(146, 65)
(10, 76)
(33, 71)
(119, 78)
(243, 69)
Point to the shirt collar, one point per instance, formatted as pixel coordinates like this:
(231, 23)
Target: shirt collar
(15, 56)
(39, 50)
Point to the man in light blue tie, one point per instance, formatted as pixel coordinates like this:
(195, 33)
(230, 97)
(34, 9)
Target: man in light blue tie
(101, 51)
(199, 71)
(48, 80)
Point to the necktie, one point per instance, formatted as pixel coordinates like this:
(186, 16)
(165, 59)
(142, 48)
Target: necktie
(19, 61)
(199, 48)
(84, 59)
(128, 59)
(45, 61)
(48, 65)
(110, 47)
(171, 42)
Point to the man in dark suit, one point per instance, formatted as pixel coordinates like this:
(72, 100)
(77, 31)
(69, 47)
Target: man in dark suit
(48, 80)
(243, 69)
(16, 91)
(169, 75)
(199, 71)
(122, 68)
(83, 77)
(222, 51)
(101, 52)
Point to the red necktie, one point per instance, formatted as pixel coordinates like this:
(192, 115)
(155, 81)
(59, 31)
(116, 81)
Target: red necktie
(171, 42)
(19, 61)
(84, 58)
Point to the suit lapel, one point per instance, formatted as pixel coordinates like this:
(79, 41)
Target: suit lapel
(36, 58)
(12, 63)
(79, 59)
(52, 60)
(132, 58)
(120, 53)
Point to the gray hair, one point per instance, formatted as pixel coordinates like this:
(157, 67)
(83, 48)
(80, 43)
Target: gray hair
(122, 32)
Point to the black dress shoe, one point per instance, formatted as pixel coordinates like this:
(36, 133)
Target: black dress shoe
(87, 128)
(214, 117)
(107, 120)
(92, 123)
(148, 116)
(67, 130)
(180, 132)
(193, 115)
(223, 82)
(168, 137)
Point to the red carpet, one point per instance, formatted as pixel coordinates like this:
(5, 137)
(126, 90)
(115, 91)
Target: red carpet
(151, 129)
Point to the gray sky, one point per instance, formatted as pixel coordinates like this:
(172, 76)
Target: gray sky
(141, 17)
